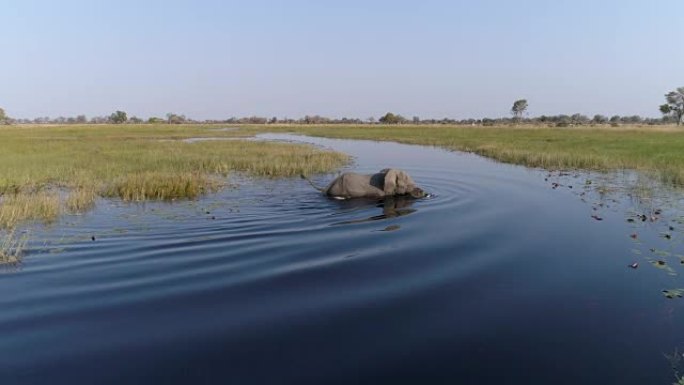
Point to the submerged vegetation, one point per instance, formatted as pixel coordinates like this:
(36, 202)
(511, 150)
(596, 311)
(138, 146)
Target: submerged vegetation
(46, 171)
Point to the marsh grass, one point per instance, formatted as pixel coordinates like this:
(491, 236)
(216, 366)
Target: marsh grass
(80, 200)
(160, 186)
(41, 206)
(654, 150)
(12, 246)
(47, 171)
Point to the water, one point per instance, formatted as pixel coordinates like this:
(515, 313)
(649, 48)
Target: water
(498, 278)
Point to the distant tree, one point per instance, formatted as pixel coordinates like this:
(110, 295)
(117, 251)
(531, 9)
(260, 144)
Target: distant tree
(154, 120)
(371, 120)
(416, 120)
(273, 120)
(391, 118)
(615, 119)
(172, 118)
(675, 105)
(315, 119)
(4, 119)
(81, 119)
(600, 119)
(519, 108)
(135, 120)
(579, 119)
(635, 119)
(118, 117)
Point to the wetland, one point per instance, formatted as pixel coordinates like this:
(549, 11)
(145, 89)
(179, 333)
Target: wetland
(506, 273)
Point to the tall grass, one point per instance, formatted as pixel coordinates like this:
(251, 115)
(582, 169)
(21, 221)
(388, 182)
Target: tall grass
(16, 208)
(153, 185)
(45, 171)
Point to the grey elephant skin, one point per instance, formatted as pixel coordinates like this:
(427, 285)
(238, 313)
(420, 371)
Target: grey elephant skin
(387, 182)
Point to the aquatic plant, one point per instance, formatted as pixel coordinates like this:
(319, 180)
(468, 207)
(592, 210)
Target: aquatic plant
(676, 361)
(11, 246)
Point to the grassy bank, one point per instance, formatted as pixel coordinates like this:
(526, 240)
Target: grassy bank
(46, 171)
(653, 150)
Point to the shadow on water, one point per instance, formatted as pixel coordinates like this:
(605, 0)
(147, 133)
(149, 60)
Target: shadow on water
(508, 275)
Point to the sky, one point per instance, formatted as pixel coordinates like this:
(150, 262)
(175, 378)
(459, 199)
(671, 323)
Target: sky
(211, 59)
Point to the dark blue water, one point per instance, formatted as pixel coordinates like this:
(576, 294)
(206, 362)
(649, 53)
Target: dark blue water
(498, 279)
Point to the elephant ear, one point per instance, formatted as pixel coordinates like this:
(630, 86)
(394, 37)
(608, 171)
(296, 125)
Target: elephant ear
(390, 186)
(397, 182)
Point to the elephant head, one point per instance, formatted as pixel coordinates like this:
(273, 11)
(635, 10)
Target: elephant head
(398, 182)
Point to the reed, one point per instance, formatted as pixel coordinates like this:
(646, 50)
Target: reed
(12, 246)
(80, 199)
(41, 206)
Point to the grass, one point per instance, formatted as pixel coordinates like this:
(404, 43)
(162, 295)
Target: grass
(11, 247)
(48, 170)
(654, 150)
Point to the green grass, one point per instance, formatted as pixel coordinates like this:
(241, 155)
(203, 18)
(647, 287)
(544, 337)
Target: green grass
(658, 151)
(48, 170)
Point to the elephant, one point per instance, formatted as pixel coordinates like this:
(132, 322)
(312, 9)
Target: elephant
(387, 182)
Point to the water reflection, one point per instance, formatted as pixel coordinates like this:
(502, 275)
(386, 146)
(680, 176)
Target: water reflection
(390, 207)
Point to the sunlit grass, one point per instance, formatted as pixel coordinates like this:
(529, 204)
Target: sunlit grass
(81, 199)
(49, 170)
(154, 185)
(17, 208)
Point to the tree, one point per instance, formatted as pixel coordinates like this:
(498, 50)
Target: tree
(675, 105)
(519, 108)
(118, 117)
(3, 117)
(600, 119)
(172, 118)
(390, 118)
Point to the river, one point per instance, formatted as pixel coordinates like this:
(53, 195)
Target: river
(506, 275)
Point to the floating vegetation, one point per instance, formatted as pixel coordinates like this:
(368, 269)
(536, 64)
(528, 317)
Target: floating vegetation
(676, 361)
(673, 293)
(660, 253)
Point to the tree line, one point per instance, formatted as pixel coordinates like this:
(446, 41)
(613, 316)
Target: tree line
(672, 112)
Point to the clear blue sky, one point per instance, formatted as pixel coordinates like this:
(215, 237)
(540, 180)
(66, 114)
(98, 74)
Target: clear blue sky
(459, 58)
